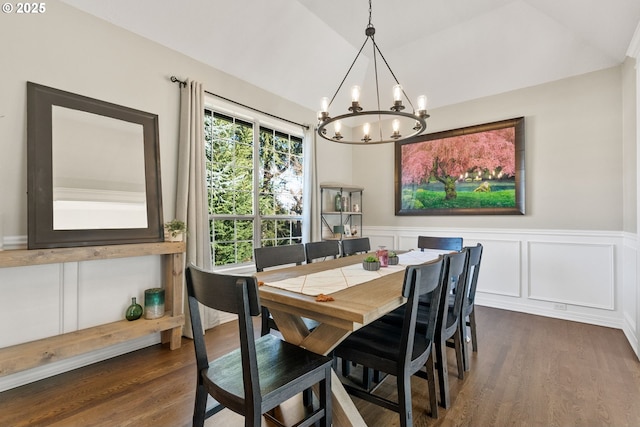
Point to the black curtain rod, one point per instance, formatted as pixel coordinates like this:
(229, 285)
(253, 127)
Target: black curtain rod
(174, 79)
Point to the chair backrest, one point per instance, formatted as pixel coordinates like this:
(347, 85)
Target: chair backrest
(473, 270)
(317, 250)
(354, 246)
(455, 277)
(272, 256)
(444, 243)
(422, 282)
(232, 294)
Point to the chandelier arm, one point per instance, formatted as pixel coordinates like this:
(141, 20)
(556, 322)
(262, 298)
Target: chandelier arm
(391, 71)
(348, 71)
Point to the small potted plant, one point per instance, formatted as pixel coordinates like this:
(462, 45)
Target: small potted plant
(393, 258)
(371, 263)
(174, 230)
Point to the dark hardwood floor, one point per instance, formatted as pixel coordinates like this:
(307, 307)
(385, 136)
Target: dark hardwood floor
(529, 371)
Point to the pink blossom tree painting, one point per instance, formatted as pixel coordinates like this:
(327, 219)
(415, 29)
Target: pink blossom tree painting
(480, 166)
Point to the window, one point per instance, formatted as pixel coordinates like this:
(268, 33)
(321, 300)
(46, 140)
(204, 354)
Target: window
(234, 151)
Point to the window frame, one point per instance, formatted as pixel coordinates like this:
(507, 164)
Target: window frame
(258, 121)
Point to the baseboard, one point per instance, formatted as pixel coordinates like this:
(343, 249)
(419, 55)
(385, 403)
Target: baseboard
(486, 301)
(630, 333)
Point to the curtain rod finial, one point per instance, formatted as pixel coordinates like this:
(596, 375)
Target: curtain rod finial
(174, 79)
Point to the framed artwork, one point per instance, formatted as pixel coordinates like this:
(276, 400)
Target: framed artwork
(476, 170)
(347, 230)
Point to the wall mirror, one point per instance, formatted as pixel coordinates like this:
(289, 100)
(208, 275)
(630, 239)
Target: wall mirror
(93, 172)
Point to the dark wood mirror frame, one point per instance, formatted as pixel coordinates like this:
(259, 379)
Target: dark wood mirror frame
(41, 233)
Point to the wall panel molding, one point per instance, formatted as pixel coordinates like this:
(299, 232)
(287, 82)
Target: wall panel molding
(520, 270)
(580, 274)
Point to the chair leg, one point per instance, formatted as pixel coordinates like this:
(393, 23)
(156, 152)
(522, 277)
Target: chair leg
(404, 400)
(325, 399)
(307, 397)
(346, 367)
(431, 383)
(200, 406)
(458, 343)
(265, 329)
(465, 349)
(472, 326)
(443, 372)
(367, 376)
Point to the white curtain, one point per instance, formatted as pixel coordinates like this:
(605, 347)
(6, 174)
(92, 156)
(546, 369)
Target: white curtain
(191, 197)
(310, 196)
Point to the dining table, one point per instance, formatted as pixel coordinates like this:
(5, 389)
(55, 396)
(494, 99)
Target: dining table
(342, 297)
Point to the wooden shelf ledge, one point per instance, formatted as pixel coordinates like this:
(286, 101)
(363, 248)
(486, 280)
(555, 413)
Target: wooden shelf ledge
(32, 354)
(25, 257)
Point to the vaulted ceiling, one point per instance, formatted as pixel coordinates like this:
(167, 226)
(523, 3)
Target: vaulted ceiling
(450, 50)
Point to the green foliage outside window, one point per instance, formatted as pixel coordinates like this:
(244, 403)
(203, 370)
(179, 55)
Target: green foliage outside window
(229, 147)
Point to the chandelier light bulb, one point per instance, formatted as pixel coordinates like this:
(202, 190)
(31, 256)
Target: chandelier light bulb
(355, 93)
(337, 126)
(422, 103)
(396, 129)
(324, 104)
(397, 93)
(366, 128)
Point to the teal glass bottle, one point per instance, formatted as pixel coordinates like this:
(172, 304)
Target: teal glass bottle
(134, 311)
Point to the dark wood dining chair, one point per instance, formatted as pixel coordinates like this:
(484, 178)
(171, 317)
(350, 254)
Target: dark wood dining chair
(355, 246)
(277, 256)
(450, 326)
(449, 332)
(400, 349)
(473, 271)
(443, 243)
(262, 373)
(321, 250)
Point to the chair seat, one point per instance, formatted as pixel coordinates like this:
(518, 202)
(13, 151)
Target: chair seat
(280, 364)
(378, 343)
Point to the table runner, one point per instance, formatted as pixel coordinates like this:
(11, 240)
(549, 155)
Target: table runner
(334, 280)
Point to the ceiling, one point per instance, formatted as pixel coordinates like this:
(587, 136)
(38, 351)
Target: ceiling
(450, 50)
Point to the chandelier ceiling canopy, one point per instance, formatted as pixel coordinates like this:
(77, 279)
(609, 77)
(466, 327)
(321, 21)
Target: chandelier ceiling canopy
(373, 126)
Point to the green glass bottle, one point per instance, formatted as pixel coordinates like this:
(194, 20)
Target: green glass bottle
(338, 202)
(134, 311)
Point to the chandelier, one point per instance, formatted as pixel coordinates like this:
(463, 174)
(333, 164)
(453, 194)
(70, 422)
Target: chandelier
(373, 126)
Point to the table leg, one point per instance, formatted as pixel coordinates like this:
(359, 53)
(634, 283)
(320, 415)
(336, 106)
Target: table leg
(322, 340)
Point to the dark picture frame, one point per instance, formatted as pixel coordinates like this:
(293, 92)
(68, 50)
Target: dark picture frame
(40, 127)
(474, 170)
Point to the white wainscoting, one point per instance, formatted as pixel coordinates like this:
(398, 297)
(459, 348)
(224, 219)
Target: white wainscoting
(572, 275)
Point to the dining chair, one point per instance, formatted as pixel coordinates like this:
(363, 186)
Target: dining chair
(473, 270)
(401, 349)
(262, 373)
(355, 246)
(450, 326)
(449, 332)
(276, 256)
(444, 243)
(324, 249)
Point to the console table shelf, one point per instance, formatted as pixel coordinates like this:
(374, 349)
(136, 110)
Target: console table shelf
(29, 355)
